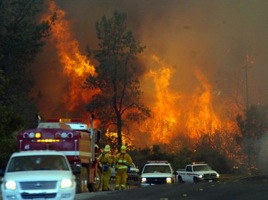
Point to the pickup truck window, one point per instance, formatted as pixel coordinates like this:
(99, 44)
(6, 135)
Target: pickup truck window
(188, 168)
(45, 162)
(157, 169)
(202, 168)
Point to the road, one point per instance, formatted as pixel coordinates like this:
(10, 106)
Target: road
(250, 188)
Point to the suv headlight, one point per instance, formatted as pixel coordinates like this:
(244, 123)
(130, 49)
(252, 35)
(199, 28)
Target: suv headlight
(169, 180)
(143, 180)
(10, 185)
(66, 183)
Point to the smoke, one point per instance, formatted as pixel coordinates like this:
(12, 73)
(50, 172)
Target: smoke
(215, 36)
(262, 154)
(218, 38)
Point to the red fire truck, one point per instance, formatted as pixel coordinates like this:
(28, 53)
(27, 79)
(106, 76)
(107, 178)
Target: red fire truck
(75, 140)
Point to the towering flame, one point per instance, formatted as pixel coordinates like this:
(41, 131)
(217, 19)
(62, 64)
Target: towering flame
(202, 118)
(164, 114)
(75, 65)
(175, 113)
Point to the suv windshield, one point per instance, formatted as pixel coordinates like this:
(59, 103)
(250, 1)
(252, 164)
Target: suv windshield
(157, 169)
(40, 162)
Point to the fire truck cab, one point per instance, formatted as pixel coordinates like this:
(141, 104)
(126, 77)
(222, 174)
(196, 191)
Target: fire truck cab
(73, 138)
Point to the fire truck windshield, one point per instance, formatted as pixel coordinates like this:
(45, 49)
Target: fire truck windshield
(54, 125)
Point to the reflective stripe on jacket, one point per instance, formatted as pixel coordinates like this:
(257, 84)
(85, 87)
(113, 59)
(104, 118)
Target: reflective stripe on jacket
(122, 161)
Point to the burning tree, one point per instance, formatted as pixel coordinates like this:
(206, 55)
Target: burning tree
(119, 97)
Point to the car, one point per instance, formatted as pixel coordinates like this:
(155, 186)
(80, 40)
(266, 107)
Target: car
(133, 174)
(157, 172)
(43, 174)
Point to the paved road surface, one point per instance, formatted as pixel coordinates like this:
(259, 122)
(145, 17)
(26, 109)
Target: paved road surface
(253, 188)
(250, 188)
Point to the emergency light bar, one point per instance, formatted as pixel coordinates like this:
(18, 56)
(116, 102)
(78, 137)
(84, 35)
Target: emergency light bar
(157, 161)
(62, 120)
(201, 162)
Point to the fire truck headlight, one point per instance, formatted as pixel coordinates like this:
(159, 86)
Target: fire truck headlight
(143, 180)
(169, 180)
(10, 185)
(70, 135)
(66, 183)
(31, 135)
(25, 135)
(64, 135)
(57, 135)
(37, 135)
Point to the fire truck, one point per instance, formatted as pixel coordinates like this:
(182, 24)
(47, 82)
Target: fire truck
(76, 140)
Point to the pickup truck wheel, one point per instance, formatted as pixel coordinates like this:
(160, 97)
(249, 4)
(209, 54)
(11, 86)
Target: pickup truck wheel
(196, 180)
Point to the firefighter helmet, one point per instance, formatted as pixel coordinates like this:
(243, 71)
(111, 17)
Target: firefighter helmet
(107, 148)
(123, 149)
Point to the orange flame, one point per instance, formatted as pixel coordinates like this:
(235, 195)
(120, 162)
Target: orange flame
(75, 65)
(177, 113)
(164, 115)
(202, 118)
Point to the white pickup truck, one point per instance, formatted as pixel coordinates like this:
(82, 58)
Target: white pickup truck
(197, 172)
(38, 175)
(157, 172)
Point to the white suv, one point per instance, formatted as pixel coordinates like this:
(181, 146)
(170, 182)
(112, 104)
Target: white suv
(38, 175)
(157, 172)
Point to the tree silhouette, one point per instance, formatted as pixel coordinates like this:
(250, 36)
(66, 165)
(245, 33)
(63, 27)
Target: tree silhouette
(22, 36)
(119, 98)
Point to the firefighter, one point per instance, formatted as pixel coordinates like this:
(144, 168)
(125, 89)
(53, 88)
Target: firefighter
(107, 160)
(123, 161)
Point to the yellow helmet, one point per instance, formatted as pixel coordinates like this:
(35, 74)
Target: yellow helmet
(107, 148)
(123, 149)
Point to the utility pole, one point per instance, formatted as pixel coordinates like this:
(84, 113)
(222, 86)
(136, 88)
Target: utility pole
(246, 83)
(248, 142)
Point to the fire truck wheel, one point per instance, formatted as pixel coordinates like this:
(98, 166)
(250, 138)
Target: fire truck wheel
(82, 181)
(96, 186)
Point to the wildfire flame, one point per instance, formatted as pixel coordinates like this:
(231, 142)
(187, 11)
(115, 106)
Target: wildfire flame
(163, 112)
(202, 118)
(75, 65)
(177, 113)
(173, 113)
